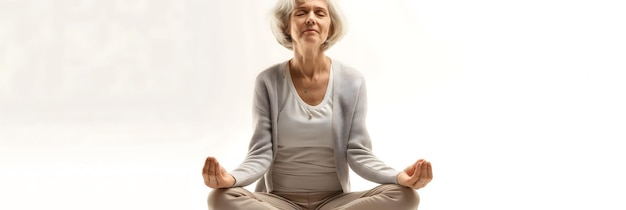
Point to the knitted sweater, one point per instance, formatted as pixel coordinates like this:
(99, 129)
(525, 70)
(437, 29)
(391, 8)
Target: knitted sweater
(351, 140)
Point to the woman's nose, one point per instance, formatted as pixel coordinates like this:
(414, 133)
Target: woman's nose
(310, 19)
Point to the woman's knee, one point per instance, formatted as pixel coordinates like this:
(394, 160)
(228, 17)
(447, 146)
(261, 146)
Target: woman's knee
(216, 196)
(407, 197)
(222, 198)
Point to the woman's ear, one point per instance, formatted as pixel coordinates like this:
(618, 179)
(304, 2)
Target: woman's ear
(287, 31)
(331, 32)
(287, 34)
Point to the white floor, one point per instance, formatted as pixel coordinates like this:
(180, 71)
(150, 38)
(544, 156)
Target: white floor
(78, 170)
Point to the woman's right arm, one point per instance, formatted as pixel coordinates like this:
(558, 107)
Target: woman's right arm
(259, 155)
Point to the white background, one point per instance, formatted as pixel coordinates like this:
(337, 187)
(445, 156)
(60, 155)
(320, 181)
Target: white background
(115, 104)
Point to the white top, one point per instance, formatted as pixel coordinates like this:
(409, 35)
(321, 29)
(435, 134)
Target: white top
(353, 147)
(305, 157)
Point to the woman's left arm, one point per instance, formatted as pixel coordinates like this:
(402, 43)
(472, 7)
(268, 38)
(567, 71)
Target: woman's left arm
(360, 156)
(363, 161)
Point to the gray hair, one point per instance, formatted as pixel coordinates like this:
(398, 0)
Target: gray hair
(281, 15)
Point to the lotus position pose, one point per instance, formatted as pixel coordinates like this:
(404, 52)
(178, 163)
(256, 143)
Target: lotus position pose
(309, 129)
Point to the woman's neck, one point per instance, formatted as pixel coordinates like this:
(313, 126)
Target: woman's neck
(309, 64)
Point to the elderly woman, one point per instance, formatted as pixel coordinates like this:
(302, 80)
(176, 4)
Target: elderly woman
(309, 115)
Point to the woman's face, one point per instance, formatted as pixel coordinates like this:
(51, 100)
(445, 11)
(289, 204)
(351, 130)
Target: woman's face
(309, 24)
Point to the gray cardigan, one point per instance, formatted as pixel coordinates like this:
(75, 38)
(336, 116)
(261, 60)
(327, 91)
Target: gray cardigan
(352, 142)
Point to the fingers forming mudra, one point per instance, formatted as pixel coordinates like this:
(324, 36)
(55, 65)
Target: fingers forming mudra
(215, 176)
(417, 175)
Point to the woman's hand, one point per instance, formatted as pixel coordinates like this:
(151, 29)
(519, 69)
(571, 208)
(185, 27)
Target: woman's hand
(215, 176)
(417, 175)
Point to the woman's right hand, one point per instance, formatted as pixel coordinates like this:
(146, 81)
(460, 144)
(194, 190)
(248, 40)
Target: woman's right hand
(215, 176)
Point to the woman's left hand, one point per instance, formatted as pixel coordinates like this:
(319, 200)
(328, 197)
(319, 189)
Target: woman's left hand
(417, 175)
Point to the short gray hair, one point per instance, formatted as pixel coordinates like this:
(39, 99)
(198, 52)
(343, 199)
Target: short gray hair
(281, 15)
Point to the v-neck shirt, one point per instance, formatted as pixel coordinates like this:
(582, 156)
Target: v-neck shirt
(305, 157)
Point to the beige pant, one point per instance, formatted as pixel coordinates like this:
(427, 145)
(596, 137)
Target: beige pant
(388, 196)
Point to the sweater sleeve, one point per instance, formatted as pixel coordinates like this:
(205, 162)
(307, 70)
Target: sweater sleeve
(259, 155)
(360, 155)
